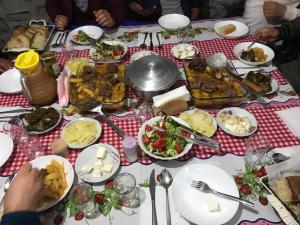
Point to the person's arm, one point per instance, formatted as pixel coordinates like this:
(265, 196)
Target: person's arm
(17, 218)
(117, 10)
(290, 31)
(53, 9)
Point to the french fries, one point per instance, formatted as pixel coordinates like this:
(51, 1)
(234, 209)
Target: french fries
(55, 182)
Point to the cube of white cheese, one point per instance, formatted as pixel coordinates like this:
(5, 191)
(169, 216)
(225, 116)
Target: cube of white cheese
(212, 205)
(98, 165)
(97, 173)
(86, 168)
(101, 153)
(107, 168)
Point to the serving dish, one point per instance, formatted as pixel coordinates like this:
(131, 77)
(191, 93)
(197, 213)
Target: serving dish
(75, 141)
(33, 36)
(88, 157)
(80, 38)
(192, 203)
(212, 87)
(174, 21)
(237, 121)
(42, 162)
(151, 123)
(242, 47)
(240, 29)
(109, 88)
(10, 82)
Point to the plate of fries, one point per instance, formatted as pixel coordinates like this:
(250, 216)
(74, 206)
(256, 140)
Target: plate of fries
(58, 175)
(81, 132)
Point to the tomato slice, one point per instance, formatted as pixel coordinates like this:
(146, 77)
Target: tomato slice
(145, 139)
(178, 148)
(115, 53)
(148, 128)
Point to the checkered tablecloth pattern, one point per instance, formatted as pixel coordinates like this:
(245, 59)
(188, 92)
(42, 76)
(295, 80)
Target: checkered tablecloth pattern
(269, 123)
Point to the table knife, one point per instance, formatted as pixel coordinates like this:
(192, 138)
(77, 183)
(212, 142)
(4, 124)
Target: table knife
(151, 42)
(152, 185)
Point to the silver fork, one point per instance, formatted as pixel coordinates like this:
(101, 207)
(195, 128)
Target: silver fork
(202, 186)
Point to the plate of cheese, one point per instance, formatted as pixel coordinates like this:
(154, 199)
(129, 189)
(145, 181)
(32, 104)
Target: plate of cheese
(81, 132)
(97, 163)
(184, 51)
(237, 121)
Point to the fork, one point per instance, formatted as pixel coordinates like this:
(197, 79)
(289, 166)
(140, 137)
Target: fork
(58, 40)
(202, 186)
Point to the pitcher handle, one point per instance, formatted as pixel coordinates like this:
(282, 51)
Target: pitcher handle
(25, 89)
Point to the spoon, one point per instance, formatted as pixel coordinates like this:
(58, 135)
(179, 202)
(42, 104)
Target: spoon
(278, 157)
(6, 186)
(58, 40)
(166, 180)
(144, 45)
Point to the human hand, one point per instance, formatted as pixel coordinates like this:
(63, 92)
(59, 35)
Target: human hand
(273, 9)
(104, 18)
(5, 64)
(267, 34)
(25, 191)
(61, 22)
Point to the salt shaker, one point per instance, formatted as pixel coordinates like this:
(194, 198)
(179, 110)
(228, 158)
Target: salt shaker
(130, 148)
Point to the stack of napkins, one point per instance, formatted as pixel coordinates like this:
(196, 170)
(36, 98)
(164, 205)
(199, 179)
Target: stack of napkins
(180, 93)
(291, 117)
(160, 202)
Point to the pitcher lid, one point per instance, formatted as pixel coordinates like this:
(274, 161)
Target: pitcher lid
(27, 60)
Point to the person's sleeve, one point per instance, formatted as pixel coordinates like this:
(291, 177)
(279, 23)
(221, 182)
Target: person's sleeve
(18, 218)
(290, 31)
(53, 9)
(117, 10)
(291, 13)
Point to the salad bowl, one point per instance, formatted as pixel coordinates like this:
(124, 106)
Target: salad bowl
(171, 148)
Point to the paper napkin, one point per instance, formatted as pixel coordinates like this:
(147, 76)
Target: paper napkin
(291, 117)
(243, 68)
(8, 108)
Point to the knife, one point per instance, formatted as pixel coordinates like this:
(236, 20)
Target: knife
(200, 137)
(152, 185)
(151, 42)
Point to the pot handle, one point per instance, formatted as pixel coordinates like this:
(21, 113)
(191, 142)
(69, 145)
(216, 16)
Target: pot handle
(25, 89)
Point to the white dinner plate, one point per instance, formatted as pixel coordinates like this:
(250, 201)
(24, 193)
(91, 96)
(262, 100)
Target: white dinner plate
(192, 203)
(214, 122)
(96, 59)
(141, 54)
(236, 111)
(88, 156)
(99, 130)
(56, 107)
(239, 48)
(7, 147)
(274, 84)
(184, 51)
(241, 29)
(92, 31)
(10, 82)
(151, 122)
(42, 162)
(174, 21)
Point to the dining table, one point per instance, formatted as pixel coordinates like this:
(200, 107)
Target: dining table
(229, 158)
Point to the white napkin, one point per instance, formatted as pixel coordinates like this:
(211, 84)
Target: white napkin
(287, 151)
(291, 117)
(249, 68)
(160, 202)
(180, 93)
(8, 108)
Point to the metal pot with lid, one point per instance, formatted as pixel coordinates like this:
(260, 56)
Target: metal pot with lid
(152, 75)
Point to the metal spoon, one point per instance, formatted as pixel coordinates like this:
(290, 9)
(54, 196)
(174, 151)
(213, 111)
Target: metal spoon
(278, 157)
(144, 45)
(58, 40)
(166, 180)
(6, 186)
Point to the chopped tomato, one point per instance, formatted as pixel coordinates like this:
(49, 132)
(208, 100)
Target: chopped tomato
(148, 128)
(185, 133)
(159, 144)
(146, 140)
(115, 53)
(178, 148)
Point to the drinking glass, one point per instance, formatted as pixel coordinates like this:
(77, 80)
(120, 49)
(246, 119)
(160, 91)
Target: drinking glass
(14, 129)
(125, 186)
(82, 197)
(143, 112)
(183, 35)
(256, 150)
(68, 52)
(31, 146)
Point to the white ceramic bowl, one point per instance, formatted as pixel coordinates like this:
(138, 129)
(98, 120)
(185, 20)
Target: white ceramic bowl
(241, 29)
(151, 122)
(92, 31)
(180, 51)
(7, 147)
(10, 82)
(173, 21)
(244, 46)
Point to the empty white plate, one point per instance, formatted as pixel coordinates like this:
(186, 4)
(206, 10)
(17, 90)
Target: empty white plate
(174, 21)
(10, 82)
(7, 147)
(241, 29)
(192, 203)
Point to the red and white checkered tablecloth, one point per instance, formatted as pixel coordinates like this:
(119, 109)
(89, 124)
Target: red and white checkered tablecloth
(269, 123)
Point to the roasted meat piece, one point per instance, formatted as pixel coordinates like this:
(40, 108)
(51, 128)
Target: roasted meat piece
(197, 64)
(248, 55)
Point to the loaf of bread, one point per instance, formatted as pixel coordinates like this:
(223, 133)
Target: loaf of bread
(227, 29)
(294, 184)
(34, 36)
(283, 190)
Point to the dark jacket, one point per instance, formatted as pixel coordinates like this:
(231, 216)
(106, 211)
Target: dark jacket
(290, 31)
(18, 218)
(116, 8)
(186, 6)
